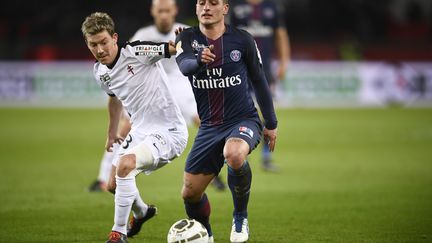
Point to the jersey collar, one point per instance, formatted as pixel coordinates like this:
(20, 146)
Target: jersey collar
(116, 58)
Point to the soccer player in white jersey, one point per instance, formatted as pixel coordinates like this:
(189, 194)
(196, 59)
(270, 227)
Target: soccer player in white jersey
(134, 79)
(164, 13)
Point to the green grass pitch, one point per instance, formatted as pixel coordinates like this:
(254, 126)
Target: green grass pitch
(359, 175)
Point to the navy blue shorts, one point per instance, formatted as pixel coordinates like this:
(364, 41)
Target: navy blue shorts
(206, 155)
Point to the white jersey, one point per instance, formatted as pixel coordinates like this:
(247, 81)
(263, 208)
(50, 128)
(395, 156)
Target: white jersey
(179, 84)
(140, 83)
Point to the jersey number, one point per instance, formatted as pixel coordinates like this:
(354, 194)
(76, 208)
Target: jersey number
(127, 141)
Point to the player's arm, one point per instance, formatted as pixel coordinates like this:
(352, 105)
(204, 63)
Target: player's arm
(282, 43)
(262, 91)
(283, 50)
(188, 62)
(150, 52)
(115, 109)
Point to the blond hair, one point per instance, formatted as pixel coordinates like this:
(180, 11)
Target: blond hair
(96, 23)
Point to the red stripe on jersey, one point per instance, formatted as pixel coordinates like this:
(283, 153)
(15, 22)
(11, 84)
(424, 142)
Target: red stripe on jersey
(216, 96)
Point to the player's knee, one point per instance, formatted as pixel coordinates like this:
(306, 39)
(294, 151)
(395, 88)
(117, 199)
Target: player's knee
(143, 158)
(190, 195)
(126, 165)
(234, 159)
(235, 152)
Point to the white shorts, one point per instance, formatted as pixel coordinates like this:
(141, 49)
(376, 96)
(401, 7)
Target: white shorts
(165, 146)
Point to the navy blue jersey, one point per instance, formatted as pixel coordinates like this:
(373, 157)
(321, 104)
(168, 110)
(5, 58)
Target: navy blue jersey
(221, 88)
(261, 21)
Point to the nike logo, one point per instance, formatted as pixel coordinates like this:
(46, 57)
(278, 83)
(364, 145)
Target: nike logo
(154, 144)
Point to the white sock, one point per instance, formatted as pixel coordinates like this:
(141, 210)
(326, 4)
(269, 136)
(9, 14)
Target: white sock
(124, 197)
(105, 167)
(139, 208)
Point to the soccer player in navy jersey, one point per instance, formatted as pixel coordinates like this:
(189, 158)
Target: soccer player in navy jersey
(221, 62)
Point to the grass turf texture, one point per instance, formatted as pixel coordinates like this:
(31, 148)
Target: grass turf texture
(362, 175)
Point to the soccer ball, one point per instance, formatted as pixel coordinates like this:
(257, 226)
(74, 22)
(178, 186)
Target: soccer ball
(187, 230)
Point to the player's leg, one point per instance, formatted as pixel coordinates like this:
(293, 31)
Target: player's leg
(204, 161)
(218, 183)
(155, 151)
(239, 182)
(126, 190)
(141, 211)
(267, 164)
(196, 202)
(243, 139)
(125, 193)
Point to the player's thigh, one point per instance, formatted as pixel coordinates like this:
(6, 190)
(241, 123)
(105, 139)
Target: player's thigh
(249, 131)
(206, 154)
(154, 150)
(194, 185)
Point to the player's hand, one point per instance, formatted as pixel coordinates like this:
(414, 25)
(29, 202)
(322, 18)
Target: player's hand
(270, 138)
(172, 48)
(207, 56)
(111, 140)
(178, 30)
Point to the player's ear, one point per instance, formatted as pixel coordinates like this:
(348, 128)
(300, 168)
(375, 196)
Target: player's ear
(115, 38)
(225, 8)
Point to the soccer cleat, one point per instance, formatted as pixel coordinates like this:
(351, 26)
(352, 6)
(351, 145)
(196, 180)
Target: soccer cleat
(211, 239)
(98, 186)
(239, 230)
(135, 224)
(269, 167)
(218, 183)
(117, 237)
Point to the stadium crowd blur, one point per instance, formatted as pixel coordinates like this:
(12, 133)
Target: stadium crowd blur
(391, 30)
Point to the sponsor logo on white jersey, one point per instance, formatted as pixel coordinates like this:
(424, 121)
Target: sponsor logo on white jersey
(105, 79)
(149, 50)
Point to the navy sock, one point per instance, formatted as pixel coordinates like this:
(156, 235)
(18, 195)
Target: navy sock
(239, 182)
(200, 211)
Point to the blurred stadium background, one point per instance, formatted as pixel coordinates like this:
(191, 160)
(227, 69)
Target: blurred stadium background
(344, 52)
(355, 133)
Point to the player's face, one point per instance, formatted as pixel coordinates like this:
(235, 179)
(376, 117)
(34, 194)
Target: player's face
(103, 46)
(210, 12)
(164, 13)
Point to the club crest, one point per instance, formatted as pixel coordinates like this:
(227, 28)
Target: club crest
(235, 55)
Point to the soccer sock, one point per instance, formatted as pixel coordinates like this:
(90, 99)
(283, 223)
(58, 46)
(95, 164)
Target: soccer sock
(139, 208)
(105, 167)
(200, 211)
(125, 195)
(239, 182)
(266, 155)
